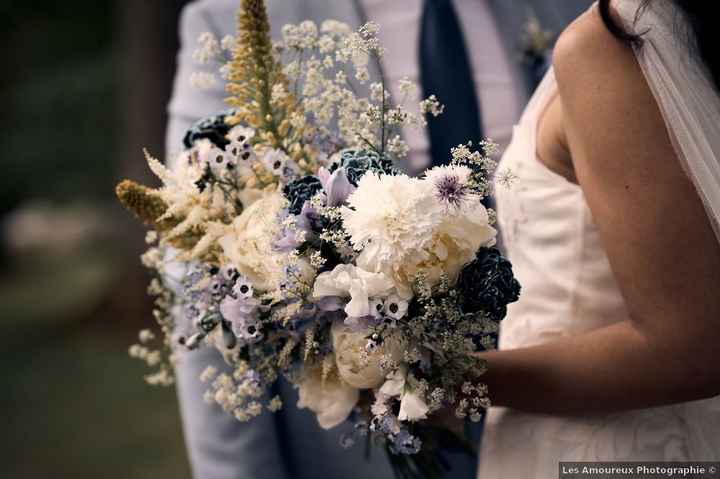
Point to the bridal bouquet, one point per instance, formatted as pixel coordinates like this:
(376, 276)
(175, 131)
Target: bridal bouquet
(305, 254)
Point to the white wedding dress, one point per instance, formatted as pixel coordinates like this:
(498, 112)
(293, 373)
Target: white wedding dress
(568, 288)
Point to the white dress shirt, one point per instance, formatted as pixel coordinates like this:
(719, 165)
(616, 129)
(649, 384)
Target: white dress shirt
(495, 85)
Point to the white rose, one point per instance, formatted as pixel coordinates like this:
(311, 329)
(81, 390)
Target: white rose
(332, 400)
(356, 366)
(248, 245)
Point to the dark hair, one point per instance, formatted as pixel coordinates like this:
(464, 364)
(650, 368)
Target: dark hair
(699, 16)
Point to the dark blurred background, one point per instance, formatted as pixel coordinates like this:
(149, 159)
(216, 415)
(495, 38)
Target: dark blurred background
(83, 88)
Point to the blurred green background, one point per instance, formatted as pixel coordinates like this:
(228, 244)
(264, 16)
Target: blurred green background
(83, 89)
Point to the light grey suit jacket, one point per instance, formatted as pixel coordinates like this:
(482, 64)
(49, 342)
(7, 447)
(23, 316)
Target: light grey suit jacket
(290, 444)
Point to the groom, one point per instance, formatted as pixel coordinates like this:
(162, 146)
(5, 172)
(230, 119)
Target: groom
(482, 58)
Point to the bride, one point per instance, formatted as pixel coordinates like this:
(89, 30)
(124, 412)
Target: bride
(612, 227)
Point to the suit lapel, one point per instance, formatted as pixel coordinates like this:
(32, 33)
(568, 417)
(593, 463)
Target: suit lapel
(513, 15)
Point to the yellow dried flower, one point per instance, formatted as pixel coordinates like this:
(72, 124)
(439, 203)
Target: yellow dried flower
(254, 72)
(147, 206)
(144, 203)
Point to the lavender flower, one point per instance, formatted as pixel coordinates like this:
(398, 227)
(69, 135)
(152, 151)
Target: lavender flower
(336, 185)
(241, 310)
(296, 229)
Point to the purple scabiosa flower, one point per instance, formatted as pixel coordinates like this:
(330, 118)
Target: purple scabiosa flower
(449, 190)
(451, 185)
(295, 229)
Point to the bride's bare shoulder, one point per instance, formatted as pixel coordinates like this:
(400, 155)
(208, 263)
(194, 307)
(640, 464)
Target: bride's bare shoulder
(587, 49)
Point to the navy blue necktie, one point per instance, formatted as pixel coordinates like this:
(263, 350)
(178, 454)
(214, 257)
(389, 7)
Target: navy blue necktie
(445, 72)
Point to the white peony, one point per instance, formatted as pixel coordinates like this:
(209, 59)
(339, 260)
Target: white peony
(346, 280)
(332, 400)
(391, 218)
(454, 243)
(248, 244)
(403, 227)
(357, 366)
(391, 215)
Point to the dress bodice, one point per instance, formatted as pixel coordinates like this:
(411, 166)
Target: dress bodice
(568, 288)
(549, 235)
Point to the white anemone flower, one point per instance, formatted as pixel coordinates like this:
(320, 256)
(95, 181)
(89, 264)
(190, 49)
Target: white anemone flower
(395, 307)
(376, 307)
(274, 160)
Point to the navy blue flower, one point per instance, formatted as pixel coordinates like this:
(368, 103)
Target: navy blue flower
(212, 128)
(487, 284)
(359, 162)
(301, 190)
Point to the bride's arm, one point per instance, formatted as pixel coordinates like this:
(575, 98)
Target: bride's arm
(661, 246)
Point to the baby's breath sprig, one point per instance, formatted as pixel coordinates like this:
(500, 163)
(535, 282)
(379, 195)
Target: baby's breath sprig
(480, 162)
(474, 400)
(161, 358)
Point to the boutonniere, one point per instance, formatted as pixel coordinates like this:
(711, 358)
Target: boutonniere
(536, 46)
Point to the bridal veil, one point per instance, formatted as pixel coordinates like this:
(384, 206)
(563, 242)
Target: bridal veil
(684, 90)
